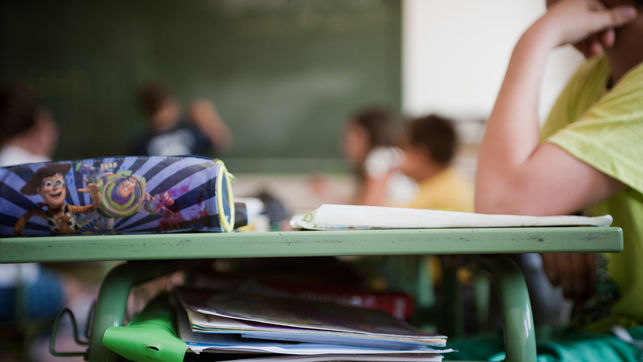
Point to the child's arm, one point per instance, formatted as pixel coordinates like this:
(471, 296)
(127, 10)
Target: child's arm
(375, 191)
(207, 119)
(515, 173)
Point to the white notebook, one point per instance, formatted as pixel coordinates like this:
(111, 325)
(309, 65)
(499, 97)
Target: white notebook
(341, 217)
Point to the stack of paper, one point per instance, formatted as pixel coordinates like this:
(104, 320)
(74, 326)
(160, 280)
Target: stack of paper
(340, 217)
(240, 322)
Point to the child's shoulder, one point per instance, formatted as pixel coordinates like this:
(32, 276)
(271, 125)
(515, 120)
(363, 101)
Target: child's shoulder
(594, 72)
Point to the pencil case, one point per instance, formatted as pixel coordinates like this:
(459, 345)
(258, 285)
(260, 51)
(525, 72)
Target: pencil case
(116, 195)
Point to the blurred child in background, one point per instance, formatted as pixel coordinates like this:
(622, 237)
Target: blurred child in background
(430, 146)
(368, 145)
(204, 132)
(28, 134)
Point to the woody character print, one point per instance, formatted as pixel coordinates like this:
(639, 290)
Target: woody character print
(49, 183)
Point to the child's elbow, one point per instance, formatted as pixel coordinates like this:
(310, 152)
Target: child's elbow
(501, 196)
(486, 203)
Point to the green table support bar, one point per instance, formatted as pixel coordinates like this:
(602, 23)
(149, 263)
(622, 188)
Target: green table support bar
(311, 243)
(518, 322)
(453, 308)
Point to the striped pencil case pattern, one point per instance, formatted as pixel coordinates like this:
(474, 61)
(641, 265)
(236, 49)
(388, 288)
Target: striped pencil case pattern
(116, 195)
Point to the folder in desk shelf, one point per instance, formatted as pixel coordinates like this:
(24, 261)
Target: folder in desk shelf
(291, 319)
(116, 195)
(342, 217)
(232, 343)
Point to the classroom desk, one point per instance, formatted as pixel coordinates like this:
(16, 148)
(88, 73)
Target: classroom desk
(154, 255)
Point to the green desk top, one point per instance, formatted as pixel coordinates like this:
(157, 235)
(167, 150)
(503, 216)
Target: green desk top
(310, 243)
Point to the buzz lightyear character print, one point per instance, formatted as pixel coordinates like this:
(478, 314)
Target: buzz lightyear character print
(123, 194)
(49, 183)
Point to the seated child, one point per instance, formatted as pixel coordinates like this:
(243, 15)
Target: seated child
(368, 144)
(28, 133)
(586, 157)
(431, 143)
(203, 134)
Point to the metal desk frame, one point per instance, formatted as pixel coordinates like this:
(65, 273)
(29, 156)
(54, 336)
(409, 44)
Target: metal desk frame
(154, 255)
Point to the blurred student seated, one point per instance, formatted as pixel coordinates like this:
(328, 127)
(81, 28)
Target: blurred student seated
(430, 146)
(202, 133)
(28, 134)
(368, 145)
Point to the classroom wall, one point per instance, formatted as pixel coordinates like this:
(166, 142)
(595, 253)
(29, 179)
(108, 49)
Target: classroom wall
(455, 54)
(284, 74)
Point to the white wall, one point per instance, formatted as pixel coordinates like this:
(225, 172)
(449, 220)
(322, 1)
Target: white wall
(455, 53)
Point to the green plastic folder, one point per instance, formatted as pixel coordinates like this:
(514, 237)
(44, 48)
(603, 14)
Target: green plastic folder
(149, 337)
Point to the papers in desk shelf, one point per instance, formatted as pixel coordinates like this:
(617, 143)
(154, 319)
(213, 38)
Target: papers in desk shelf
(337, 357)
(256, 323)
(221, 342)
(341, 217)
(253, 314)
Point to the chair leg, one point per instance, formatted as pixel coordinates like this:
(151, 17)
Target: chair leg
(112, 300)
(520, 340)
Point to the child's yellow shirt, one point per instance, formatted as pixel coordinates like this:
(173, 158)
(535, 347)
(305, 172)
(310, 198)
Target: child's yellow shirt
(447, 190)
(604, 128)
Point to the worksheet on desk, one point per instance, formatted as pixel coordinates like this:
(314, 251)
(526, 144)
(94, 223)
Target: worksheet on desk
(343, 217)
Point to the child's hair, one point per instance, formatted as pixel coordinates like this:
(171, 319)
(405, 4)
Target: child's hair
(436, 135)
(18, 111)
(153, 96)
(635, 3)
(379, 124)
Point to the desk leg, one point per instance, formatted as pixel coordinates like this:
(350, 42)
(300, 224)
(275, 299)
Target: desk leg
(520, 341)
(454, 311)
(112, 300)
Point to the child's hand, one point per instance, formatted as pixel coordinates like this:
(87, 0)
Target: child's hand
(319, 184)
(204, 115)
(575, 273)
(202, 111)
(575, 21)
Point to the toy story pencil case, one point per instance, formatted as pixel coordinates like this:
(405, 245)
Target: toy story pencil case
(116, 195)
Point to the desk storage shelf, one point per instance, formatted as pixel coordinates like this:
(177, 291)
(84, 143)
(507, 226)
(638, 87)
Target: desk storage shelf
(153, 255)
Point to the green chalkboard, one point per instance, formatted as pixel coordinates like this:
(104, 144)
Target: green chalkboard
(284, 74)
